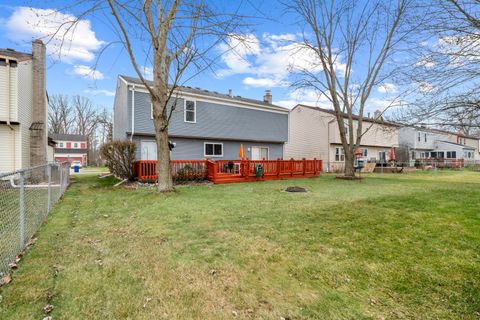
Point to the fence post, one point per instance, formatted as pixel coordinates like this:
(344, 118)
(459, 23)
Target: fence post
(292, 164)
(304, 165)
(278, 167)
(49, 192)
(22, 210)
(314, 166)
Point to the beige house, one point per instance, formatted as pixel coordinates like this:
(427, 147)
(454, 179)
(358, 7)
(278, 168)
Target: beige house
(314, 133)
(23, 108)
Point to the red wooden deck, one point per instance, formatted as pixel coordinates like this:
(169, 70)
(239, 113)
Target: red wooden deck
(227, 171)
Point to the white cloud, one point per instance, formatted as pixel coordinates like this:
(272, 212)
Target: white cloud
(425, 87)
(271, 60)
(147, 72)
(387, 88)
(77, 43)
(426, 62)
(100, 92)
(264, 82)
(305, 96)
(236, 51)
(87, 72)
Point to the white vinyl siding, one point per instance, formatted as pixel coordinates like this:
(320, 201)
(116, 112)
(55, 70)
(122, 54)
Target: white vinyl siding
(10, 156)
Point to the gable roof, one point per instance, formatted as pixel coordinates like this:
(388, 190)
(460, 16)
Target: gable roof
(354, 117)
(67, 137)
(211, 94)
(17, 55)
(366, 119)
(464, 146)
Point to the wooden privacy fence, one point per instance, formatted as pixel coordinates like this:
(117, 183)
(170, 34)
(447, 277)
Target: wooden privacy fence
(225, 171)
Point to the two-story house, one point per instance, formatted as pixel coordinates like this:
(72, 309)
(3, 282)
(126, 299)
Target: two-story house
(23, 108)
(204, 124)
(314, 133)
(70, 147)
(425, 143)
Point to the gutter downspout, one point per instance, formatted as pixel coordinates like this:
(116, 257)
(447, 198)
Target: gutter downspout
(133, 113)
(328, 142)
(9, 107)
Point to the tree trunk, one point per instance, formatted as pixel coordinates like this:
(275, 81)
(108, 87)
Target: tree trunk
(349, 164)
(165, 181)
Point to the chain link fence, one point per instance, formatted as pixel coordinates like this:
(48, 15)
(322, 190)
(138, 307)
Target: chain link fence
(26, 197)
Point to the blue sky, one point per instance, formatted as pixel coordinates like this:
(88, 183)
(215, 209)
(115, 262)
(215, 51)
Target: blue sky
(262, 65)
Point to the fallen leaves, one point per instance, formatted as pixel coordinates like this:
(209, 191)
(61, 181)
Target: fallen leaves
(48, 308)
(5, 280)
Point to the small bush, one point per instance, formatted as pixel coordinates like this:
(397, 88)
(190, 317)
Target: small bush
(119, 156)
(189, 173)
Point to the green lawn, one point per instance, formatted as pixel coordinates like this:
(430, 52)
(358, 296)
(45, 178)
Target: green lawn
(389, 247)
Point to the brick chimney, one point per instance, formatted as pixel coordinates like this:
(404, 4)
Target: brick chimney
(267, 97)
(38, 128)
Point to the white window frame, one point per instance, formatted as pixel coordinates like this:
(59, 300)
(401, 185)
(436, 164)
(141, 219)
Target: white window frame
(151, 110)
(60, 144)
(341, 154)
(419, 137)
(425, 137)
(213, 143)
(263, 147)
(75, 145)
(364, 152)
(384, 158)
(194, 111)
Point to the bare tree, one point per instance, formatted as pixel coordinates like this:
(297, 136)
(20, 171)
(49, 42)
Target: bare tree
(351, 41)
(174, 35)
(60, 114)
(448, 67)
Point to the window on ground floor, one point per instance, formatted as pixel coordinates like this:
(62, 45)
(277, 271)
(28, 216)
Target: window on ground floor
(382, 156)
(451, 154)
(213, 149)
(339, 154)
(468, 154)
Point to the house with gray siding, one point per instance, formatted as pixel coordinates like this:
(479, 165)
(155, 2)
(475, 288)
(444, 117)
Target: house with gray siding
(204, 124)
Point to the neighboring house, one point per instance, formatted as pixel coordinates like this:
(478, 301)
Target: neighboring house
(204, 124)
(23, 108)
(70, 147)
(314, 133)
(51, 149)
(424, 143)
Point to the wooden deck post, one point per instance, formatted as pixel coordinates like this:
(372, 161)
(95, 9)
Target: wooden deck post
(278, 167)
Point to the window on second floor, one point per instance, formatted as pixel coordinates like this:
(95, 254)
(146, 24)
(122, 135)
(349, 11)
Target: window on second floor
(425, 137)
(364, 152)
(419, 137)
(60, 145)
(75, 145)
(190, 111)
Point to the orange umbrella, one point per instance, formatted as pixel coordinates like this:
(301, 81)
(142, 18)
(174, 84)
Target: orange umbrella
(241, 153)
(392, 154)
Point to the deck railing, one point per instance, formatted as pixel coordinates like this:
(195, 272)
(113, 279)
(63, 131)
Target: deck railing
(442, 163)
(222, 171)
